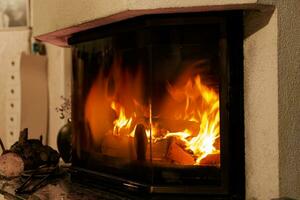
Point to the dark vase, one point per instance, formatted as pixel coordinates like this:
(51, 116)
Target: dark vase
(64, 142)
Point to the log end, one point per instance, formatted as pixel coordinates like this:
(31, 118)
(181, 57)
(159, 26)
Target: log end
(11, 165)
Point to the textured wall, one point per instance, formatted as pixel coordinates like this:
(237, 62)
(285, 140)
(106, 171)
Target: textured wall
(261, 105)
(12, 43)
(56, 14)
(70, 12)
(289, 97)
(288, 127)
(59, 77)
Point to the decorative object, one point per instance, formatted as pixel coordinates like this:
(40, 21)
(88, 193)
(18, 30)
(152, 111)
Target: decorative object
(64, 137)
(13, 13)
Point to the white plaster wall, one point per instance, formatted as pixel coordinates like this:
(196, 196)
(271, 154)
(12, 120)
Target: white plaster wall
(261, 105)
(59, 59)
(287, 181)
(53, 15)
(12, 43)
(59, 77)
(56, 14)
(289, 97)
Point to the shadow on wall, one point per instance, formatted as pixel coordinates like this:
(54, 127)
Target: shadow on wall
(256, 20)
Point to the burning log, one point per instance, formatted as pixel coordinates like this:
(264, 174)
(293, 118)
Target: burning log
(217, 143)
(173, 125)
(178, 155)
(26, 155)
(118, 146)
(211, 159)
(140, 141)
(159, 150)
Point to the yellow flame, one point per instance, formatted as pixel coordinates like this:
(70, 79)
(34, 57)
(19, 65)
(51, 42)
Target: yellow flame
(189, 100)
(122, 122)
(207, 113)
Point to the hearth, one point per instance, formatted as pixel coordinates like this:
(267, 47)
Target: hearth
(158, 104)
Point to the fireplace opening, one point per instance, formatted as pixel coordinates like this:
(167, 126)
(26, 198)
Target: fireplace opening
(157, 104)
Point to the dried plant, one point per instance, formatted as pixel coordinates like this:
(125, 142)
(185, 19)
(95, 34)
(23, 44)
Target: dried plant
(64, 109)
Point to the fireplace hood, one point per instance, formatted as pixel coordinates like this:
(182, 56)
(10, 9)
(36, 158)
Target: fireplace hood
(71, 17)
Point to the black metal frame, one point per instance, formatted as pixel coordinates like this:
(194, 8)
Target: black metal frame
(231, 101)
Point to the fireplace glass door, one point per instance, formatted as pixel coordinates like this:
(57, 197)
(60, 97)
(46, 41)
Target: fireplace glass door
(149, 102)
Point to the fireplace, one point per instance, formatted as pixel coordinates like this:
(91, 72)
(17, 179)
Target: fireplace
(158, 104)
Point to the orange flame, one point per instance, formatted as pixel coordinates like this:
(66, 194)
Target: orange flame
(188, 100)
(201, 106)
(122, 122)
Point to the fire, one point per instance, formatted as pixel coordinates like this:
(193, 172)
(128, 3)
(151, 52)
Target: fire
(122, 122)
(201, 106)
(189, 101)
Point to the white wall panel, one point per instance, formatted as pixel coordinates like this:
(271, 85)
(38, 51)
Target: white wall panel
(34, 95)
(12, 44)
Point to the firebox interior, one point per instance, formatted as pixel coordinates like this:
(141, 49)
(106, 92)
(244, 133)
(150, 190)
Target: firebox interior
(151, 99)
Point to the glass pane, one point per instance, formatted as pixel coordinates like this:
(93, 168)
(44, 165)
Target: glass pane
(116, 106)
(185, 105)
(150, 105)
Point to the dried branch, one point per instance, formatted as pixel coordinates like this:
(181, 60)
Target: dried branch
(2, 146)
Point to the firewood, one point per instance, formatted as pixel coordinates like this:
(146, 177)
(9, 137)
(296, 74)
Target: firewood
(11, 165)
(211, 159)
(159, 150)
(2, 146)
(118, 146)
(179, 125)
(32, 153)
(23, 137)
(41, 138)
(140, 142)
(178, 155)
(217, 143)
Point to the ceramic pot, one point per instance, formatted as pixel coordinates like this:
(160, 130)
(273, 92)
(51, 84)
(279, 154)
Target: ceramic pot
(64, 142)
